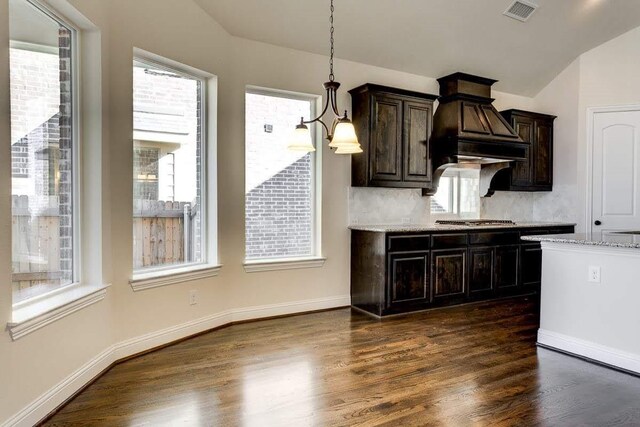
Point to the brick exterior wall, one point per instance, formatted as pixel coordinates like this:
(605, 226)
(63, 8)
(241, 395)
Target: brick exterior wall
(65, 162)
(279, 194)
(278, 214)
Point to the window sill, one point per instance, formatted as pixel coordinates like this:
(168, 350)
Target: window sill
(156, 279)
(30, 317)
(283, 264)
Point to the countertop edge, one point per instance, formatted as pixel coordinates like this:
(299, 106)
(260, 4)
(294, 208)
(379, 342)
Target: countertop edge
(581, 242)
(390, 228)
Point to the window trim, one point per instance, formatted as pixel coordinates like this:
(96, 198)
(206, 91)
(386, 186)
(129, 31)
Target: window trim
(275, 264)
(315, 259)
(151, 277)
(76, 154)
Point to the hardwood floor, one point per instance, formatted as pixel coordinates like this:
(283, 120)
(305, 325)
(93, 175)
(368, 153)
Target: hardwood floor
(461, 366)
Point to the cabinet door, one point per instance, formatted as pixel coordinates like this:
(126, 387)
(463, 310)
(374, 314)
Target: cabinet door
(386, 139)
(481, 277)
(531, 266)
(522, 171)
(449, 279)
(416, 134)
(542, 153)
(408, 281)
(506, 267)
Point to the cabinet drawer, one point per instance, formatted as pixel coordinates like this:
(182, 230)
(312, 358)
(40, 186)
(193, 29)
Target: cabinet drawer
(407, 243)
(445, 241)
(493, 238)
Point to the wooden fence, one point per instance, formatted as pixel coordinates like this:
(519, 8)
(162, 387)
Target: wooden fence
(159, 230)
(35, 243)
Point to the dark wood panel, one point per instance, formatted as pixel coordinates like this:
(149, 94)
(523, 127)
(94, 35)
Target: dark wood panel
(481, 270)
(449, 272)
(531, 265)
(543, 163)
(408, 281)
(507, 267)
(444, 241)
(417, 131)
(386, 139)
(522, 171)
(368, 271)
(404, 243)
(494, 238)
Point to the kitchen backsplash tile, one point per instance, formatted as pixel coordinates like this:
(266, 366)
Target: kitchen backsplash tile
(369, 205)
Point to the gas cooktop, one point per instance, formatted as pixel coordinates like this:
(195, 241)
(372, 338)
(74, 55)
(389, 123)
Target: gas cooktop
(475, 222)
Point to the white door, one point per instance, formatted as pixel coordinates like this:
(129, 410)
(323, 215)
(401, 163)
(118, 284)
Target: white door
(616, 171)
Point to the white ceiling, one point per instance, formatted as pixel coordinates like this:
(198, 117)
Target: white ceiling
(437, 37)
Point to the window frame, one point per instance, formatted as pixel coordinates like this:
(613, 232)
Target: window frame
(76, 154)
(315, 259)
(151, 277)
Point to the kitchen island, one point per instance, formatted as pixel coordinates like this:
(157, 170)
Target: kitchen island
(589, 297)
(401, 268)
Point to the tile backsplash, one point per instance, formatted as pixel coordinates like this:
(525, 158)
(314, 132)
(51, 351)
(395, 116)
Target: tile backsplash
(388, 206)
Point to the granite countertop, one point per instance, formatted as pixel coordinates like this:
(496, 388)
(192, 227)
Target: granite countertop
(408, 228)
(612, 239)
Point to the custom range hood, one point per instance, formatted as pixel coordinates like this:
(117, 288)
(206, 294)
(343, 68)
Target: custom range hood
(469, 132)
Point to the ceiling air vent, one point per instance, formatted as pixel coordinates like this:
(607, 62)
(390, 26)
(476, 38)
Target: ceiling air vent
(521, 10)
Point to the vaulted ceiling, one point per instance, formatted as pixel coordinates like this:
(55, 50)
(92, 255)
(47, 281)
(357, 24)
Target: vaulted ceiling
(437, 37)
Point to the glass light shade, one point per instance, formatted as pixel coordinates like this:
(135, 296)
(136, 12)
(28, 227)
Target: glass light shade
(349, 149)
(301, 140)
(344, 135)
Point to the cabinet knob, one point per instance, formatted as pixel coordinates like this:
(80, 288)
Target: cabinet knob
(598, 222)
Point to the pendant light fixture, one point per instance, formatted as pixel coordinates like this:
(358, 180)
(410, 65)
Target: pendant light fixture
(341, 135)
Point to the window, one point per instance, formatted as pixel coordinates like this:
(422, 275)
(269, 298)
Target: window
(280, 185)
(43, 151)
(458, 193)
(168, 168)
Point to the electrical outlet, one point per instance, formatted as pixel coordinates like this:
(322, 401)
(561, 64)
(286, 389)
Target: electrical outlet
(193, 297)
(594, 274)
(406, 220)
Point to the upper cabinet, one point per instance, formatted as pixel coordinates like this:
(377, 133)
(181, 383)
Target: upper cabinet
(394, 128)
(536, 172)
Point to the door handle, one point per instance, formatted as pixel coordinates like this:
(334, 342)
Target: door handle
(598, 222)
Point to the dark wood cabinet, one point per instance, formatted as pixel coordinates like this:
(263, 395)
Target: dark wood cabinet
(506, 270)
(408, 281)
(385, 151)
(401, 272)
(394, 128)
(536, 172)
(531, 265)
(449, 278)
(481, 268)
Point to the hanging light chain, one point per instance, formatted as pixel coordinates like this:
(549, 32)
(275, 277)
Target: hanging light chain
(331, 77)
